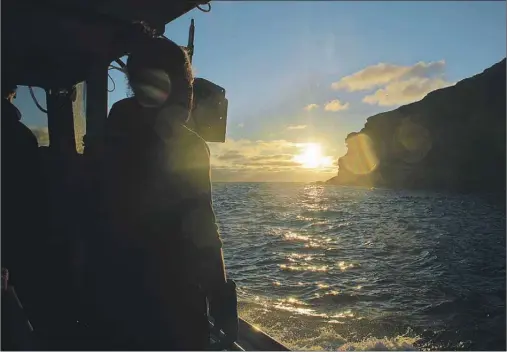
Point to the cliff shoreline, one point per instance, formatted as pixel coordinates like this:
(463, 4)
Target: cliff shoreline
(451, 140)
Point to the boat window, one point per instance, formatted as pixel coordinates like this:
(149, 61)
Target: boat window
(36, 119)
(117, 85)
(31, 115)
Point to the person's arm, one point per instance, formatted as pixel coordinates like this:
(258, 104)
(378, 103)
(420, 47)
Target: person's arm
(200, 226)
(199, 222)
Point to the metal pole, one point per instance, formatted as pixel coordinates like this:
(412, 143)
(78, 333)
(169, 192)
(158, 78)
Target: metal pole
(191, 35)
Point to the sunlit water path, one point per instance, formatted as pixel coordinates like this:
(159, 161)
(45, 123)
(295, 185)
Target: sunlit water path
(325, 267)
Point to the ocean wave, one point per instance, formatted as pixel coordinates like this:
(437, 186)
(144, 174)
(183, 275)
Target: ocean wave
(354, 269)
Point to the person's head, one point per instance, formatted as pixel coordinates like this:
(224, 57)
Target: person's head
(9, 91)
(160, 74)
(8, 95)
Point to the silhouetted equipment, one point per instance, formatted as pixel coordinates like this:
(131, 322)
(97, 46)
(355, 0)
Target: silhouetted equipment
(191, 35)
(209, 115)
(55, 45)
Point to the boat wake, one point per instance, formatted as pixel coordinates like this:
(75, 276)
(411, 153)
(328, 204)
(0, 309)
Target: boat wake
(300, 327)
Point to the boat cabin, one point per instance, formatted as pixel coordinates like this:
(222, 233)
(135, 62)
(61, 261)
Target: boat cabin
(67, 47)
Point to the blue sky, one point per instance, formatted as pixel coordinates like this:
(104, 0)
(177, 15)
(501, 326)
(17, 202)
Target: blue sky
(276, 58)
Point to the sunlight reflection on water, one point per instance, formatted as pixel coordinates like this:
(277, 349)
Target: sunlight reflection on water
(401, 269)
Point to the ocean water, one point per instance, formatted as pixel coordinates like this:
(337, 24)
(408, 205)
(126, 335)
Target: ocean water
(328, 267)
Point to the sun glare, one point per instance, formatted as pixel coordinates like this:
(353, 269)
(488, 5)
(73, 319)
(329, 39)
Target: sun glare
(312, 158)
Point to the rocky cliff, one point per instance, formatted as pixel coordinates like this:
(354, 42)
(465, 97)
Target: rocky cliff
(453, 139)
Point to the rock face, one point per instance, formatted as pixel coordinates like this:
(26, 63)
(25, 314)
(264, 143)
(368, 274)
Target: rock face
(453, 139)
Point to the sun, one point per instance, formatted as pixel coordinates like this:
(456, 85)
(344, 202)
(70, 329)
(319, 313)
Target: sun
(312, 158)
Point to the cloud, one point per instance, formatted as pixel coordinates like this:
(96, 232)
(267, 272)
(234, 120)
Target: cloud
(336, 105)
(297, 127)
(396, 84)
(311, 107)
(253, 161)
(404, 92)
(248, 154)
(230, 155)
(241, 125)
(42, 135)
(383, 74)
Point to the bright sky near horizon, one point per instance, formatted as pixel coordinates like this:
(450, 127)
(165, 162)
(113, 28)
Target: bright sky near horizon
(300, 76)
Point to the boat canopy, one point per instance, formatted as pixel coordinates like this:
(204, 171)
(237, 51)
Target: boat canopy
(55, 43)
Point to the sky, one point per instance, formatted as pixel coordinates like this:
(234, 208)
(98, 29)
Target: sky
(301, 75)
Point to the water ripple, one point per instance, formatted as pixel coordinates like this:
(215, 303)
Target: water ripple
(324, 267)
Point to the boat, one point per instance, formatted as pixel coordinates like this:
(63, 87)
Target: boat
(67, 47)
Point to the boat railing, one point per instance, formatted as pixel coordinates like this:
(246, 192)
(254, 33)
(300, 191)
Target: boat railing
(19, 333)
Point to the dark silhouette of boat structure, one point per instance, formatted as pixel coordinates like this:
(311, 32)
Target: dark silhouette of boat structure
(57, 45)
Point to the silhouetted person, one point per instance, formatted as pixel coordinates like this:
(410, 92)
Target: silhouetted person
(19, 168)
(161, 251)
(23, 222)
